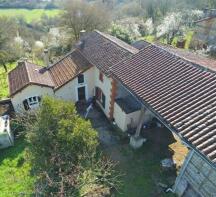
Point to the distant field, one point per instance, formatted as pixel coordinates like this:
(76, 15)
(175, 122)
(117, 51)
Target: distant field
(29, 15)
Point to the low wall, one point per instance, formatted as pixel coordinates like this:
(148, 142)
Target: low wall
(122, 119)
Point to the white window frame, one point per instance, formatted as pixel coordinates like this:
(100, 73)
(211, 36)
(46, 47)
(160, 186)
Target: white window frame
(33, 103)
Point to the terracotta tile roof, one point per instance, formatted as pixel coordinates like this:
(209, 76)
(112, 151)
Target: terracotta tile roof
(67, 68)
(182, 94)
(140, 44)
(190, 56)
(28, 73)
(54, 76)
(103, 50)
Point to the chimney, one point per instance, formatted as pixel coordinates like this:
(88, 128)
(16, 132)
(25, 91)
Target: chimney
(82, 33)
(21, 61)
(46, 57)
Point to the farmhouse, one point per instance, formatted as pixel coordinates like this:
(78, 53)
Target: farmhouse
(132, 86)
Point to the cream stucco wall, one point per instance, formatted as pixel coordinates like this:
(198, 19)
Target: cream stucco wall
(69, 90)
(29, 91)
(122, 119)
(106, 87)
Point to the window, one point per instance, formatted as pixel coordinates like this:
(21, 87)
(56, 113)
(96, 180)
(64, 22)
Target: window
(103, 100)
(31, 102)
(100, 96)
(25, 104)
(80, 78)
(101, 76)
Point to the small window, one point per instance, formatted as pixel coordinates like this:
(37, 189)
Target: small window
(80, 78)
(101, 77)
(26, 105)
(31, 102)
(103, 100)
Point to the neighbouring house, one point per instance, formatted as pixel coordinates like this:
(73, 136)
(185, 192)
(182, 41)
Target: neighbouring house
(133, 85)
(205, 31)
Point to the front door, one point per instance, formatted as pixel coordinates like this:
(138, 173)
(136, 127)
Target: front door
(81, 93)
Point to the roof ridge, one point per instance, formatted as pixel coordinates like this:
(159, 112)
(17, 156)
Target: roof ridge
(28, 75)
(107, 36)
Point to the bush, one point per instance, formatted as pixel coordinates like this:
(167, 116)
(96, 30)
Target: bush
(63, 150)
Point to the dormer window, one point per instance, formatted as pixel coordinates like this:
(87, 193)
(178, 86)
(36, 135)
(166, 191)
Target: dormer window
(80, 78)
(101, 77)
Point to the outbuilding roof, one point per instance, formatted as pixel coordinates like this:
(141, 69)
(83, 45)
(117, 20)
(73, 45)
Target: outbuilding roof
(28, 73)
(181, 93)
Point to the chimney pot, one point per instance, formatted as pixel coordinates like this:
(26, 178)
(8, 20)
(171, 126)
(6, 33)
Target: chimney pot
(46, 57)
(21, 61)
(82, 33)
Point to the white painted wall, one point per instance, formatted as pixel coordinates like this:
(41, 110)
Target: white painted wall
(122, 119)
(69, 91)
(29, 91)
(106, 87)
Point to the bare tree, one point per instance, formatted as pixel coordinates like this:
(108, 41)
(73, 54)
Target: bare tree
(81, 15)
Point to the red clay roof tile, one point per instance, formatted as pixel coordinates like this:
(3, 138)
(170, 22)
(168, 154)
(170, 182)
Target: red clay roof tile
(183, 94)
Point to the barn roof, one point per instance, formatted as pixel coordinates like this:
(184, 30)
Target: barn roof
(182, 94)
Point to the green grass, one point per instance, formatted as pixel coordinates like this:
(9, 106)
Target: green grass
(29, 15)
(15, 175)
(142, 173)
(4, 91)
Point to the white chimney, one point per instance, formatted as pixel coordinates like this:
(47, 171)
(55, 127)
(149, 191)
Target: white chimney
(46, 57)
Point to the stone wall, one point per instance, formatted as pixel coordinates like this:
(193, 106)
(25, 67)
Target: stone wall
(197, 174)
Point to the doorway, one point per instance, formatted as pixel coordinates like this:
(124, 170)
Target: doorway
(81, 93)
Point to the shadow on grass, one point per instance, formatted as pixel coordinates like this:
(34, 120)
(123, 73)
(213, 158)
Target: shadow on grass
(13, 151)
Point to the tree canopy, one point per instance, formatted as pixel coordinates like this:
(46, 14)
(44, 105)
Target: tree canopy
(63, 148)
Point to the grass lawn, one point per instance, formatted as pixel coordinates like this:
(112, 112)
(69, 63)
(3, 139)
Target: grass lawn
(15, 171)
(29, 15)
(4, 91)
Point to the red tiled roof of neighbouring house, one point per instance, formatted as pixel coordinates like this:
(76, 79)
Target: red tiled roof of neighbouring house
(67, 68)
(28, 73)
(205, 19)
(103, 50)
(182, 94)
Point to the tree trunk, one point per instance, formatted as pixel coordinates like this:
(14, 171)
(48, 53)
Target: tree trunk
(5, 67)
